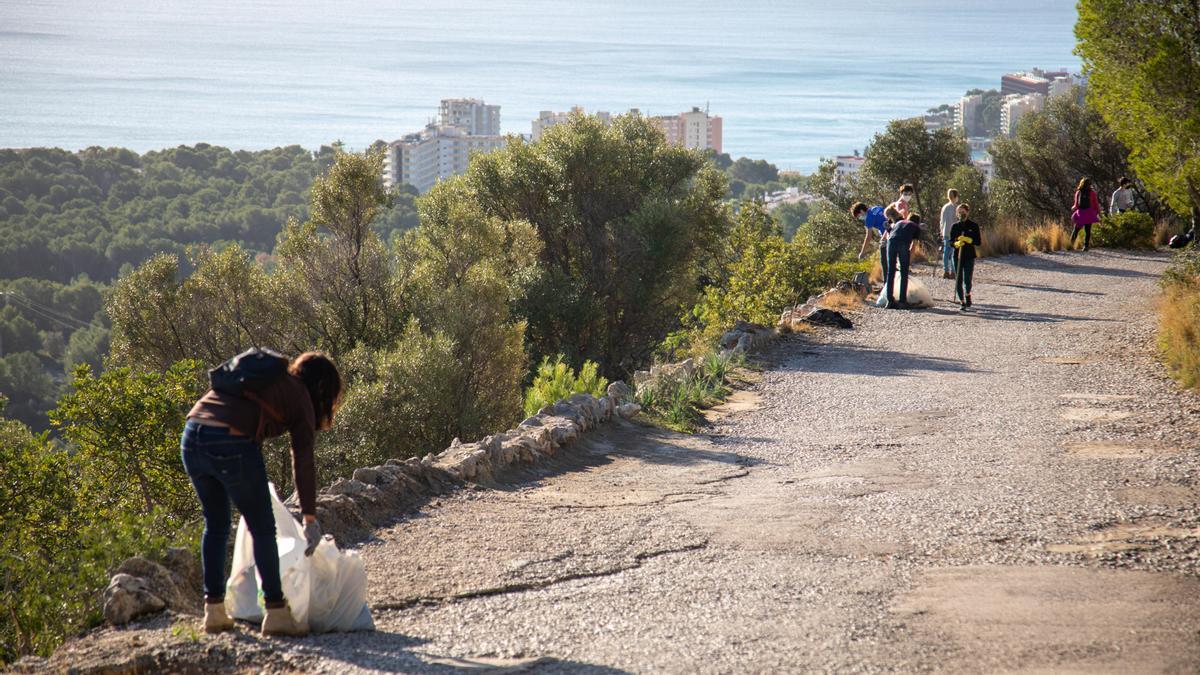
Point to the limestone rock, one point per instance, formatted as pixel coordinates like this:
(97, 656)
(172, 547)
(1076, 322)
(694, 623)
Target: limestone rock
(628, 410)
(619, 391)
(178, 592)
(128, 597)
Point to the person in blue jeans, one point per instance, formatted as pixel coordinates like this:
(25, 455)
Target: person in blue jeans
(899, 252)
(222, 455)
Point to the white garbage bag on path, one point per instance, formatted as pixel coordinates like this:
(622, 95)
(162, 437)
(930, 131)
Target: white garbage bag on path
(918, 293)
(326, 592)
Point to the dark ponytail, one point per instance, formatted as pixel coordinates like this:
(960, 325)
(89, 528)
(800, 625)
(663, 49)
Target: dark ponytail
(323, 382)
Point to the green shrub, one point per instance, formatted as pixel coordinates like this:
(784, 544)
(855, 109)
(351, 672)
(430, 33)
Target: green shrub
(1132, 229)
(555, 381)
(676, 402)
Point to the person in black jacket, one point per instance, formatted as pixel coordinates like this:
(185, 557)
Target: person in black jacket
(965, 237)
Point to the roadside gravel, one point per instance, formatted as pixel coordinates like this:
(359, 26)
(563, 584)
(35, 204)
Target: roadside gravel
(1010, 488)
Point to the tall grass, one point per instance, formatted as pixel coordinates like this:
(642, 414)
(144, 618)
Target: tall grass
(1048, 236)
(1005, 238)
(1179, 320)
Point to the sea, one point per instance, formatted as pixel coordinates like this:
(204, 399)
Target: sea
(794, 81)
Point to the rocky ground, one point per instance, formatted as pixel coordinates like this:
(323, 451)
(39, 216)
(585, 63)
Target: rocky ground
(1013, 488)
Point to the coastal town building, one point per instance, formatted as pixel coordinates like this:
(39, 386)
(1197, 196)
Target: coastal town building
(1017, 106)
(548, 118)
(847, 165)
(443, 148)
(966, 114)
(1024, 83)
(695, 129)
(471, 114)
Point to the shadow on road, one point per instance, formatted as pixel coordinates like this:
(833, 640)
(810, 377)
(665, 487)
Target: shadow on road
(1008, 313)
(1063, 263)
(853, 360)
(1045, 289)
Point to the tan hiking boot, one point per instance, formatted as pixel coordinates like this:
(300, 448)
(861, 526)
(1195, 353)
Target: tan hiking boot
(279, 621)
(215, 618)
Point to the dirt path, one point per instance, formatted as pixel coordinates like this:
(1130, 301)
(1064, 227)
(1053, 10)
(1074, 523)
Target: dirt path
(1013, 489)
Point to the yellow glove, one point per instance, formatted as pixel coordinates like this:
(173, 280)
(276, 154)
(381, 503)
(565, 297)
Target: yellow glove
(958, 244)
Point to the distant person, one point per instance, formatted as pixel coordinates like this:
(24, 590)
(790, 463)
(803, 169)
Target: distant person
(1122, 197)
(947, 220)
(875, 224)
(900, 244)
(222, 454)
(1085, 212)
(903, 203)
(965, 238)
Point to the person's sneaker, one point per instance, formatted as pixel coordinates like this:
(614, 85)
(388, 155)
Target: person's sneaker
(279, 621)
(215, 618)
(968, 299)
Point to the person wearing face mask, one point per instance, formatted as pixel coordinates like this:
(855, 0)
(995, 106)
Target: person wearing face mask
(903, 203)
(965, 238)
(874, 224)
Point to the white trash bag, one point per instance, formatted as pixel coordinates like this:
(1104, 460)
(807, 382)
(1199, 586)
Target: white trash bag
(321, 590)
(918, 293)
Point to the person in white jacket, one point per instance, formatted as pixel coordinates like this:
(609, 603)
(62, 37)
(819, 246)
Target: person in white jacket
(948, 218)
(1122, 197)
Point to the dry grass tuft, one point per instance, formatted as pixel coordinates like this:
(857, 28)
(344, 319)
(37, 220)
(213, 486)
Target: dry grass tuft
(1047, 237)
(920, 254)
(1162, 233)
(842, 301)
(1179, 331)
(876, 271)
(1007, 238)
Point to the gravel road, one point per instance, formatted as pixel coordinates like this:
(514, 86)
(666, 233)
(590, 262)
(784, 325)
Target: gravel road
(1013, 488)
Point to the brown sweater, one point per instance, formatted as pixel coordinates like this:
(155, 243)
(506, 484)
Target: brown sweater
(288, 397)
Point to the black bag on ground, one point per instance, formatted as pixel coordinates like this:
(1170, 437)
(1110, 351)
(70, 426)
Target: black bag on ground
(248, 372)
(1182, 240)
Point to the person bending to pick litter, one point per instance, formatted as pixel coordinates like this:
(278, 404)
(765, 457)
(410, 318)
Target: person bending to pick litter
(256, 395)
(965, 237)
(875, 223)
(900, 244)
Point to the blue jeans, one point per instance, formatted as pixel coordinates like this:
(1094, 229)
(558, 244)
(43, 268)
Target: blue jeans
(947, 257)
(224, 466)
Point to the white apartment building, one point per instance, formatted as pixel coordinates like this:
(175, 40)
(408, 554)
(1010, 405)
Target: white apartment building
(1017, 106)
(442, 150)
(966, 114)
(695, 129)
(472, 114)
(548, 118)
(847, 165)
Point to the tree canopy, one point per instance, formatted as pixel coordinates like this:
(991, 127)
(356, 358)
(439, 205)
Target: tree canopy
(1142, 58)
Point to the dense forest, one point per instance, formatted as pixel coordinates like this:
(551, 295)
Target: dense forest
(71, 222)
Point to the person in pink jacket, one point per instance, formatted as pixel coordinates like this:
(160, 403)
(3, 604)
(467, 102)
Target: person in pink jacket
(1085, 212)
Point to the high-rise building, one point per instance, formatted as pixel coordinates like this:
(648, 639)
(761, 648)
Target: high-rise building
(471, 114)
(442, 149)
(548, 118)
(1017, 106)
(1024, 83)
(966, 114)
(695, 129)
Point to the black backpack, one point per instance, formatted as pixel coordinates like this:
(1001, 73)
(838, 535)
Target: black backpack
(249, 373)
(1181, 240)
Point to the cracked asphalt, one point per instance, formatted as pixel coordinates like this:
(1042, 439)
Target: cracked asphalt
(1010, 489)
